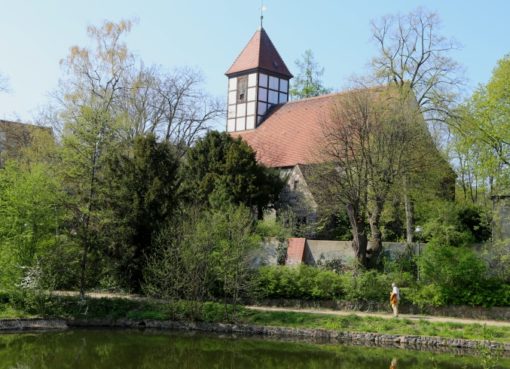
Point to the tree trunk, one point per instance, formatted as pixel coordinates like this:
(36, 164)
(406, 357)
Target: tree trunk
(375, 230)
(86, 222)
(83, 270)
(408, 206)
(359, 237)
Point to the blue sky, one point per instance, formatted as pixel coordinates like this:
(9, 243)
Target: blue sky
(35, 35)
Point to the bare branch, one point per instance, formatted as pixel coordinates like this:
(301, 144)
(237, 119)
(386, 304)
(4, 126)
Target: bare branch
(413, 54)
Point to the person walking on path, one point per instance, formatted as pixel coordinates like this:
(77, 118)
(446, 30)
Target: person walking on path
(394, 299)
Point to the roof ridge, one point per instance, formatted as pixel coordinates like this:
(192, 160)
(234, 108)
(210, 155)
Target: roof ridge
(338, 93)
(262, 31)
(317, 97)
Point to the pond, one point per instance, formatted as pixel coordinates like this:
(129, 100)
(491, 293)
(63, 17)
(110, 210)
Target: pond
(128, 349)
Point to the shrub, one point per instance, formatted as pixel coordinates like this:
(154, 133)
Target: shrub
(46, 305)
(476, 220)
(267, 228)
(302, 282)
(327, 285)
(372, 286)
(216, 312)
(449, 276)
(335, 265)
(4, 297)
(457, 276)
(455, 224)
(454, 272)
(309, 283)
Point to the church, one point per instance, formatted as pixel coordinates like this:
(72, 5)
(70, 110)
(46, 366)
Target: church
(284, 134)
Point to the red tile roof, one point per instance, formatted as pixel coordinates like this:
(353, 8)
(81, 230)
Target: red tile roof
(292, 133)
(261, 54)
(295, 251)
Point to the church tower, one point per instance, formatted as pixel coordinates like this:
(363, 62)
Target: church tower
(257, 80)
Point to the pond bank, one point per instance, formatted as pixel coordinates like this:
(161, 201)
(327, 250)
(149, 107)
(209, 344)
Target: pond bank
(379, 339)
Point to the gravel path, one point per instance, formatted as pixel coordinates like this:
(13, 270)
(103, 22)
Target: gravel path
(438, 319)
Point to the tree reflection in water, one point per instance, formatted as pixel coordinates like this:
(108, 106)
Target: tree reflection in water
(129, 349)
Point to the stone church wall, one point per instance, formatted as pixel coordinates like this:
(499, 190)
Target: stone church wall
(297, 196)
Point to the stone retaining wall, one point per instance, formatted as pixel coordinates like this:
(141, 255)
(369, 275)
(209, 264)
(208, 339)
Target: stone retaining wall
(282, 332)
(32, 324)
(322, 334)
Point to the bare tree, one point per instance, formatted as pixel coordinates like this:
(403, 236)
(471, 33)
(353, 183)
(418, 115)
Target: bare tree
(171, 105)
(400, 146)
(413, 55)
(345, 175)
(372, 138)
(185, 111)
(416, 58)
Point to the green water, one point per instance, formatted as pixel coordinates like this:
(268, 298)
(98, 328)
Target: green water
(100, 349)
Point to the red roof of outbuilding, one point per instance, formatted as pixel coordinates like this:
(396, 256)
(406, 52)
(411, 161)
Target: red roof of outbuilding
(295, 251)
(260, 53)
(292, 133)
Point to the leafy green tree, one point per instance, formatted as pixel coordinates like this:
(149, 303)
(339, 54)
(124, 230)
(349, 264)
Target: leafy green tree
(221, 169)
(483, 143)
(85, 143)
(91, 127)
(233, 230)
(32, 215)
(308, 82)
(141, 196)
(485, 128)
(472, 180)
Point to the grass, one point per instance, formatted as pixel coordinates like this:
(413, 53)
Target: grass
(9, 312)
(399, 326)
(115, 308)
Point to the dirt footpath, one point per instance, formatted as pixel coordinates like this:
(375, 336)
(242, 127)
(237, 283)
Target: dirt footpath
(438, 319)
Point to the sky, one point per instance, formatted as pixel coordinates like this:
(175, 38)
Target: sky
(36, 34)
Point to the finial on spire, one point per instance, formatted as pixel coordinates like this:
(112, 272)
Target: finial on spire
(263, 8)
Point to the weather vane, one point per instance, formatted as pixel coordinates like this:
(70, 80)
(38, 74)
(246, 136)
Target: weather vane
(263, 8)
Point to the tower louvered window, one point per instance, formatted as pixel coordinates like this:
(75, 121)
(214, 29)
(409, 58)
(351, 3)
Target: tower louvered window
(242, 89)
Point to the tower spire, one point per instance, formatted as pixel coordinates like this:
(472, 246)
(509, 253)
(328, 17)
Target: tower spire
(257, 80)
(262, 10)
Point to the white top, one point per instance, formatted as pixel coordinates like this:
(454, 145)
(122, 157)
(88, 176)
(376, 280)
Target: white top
(397, 292)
